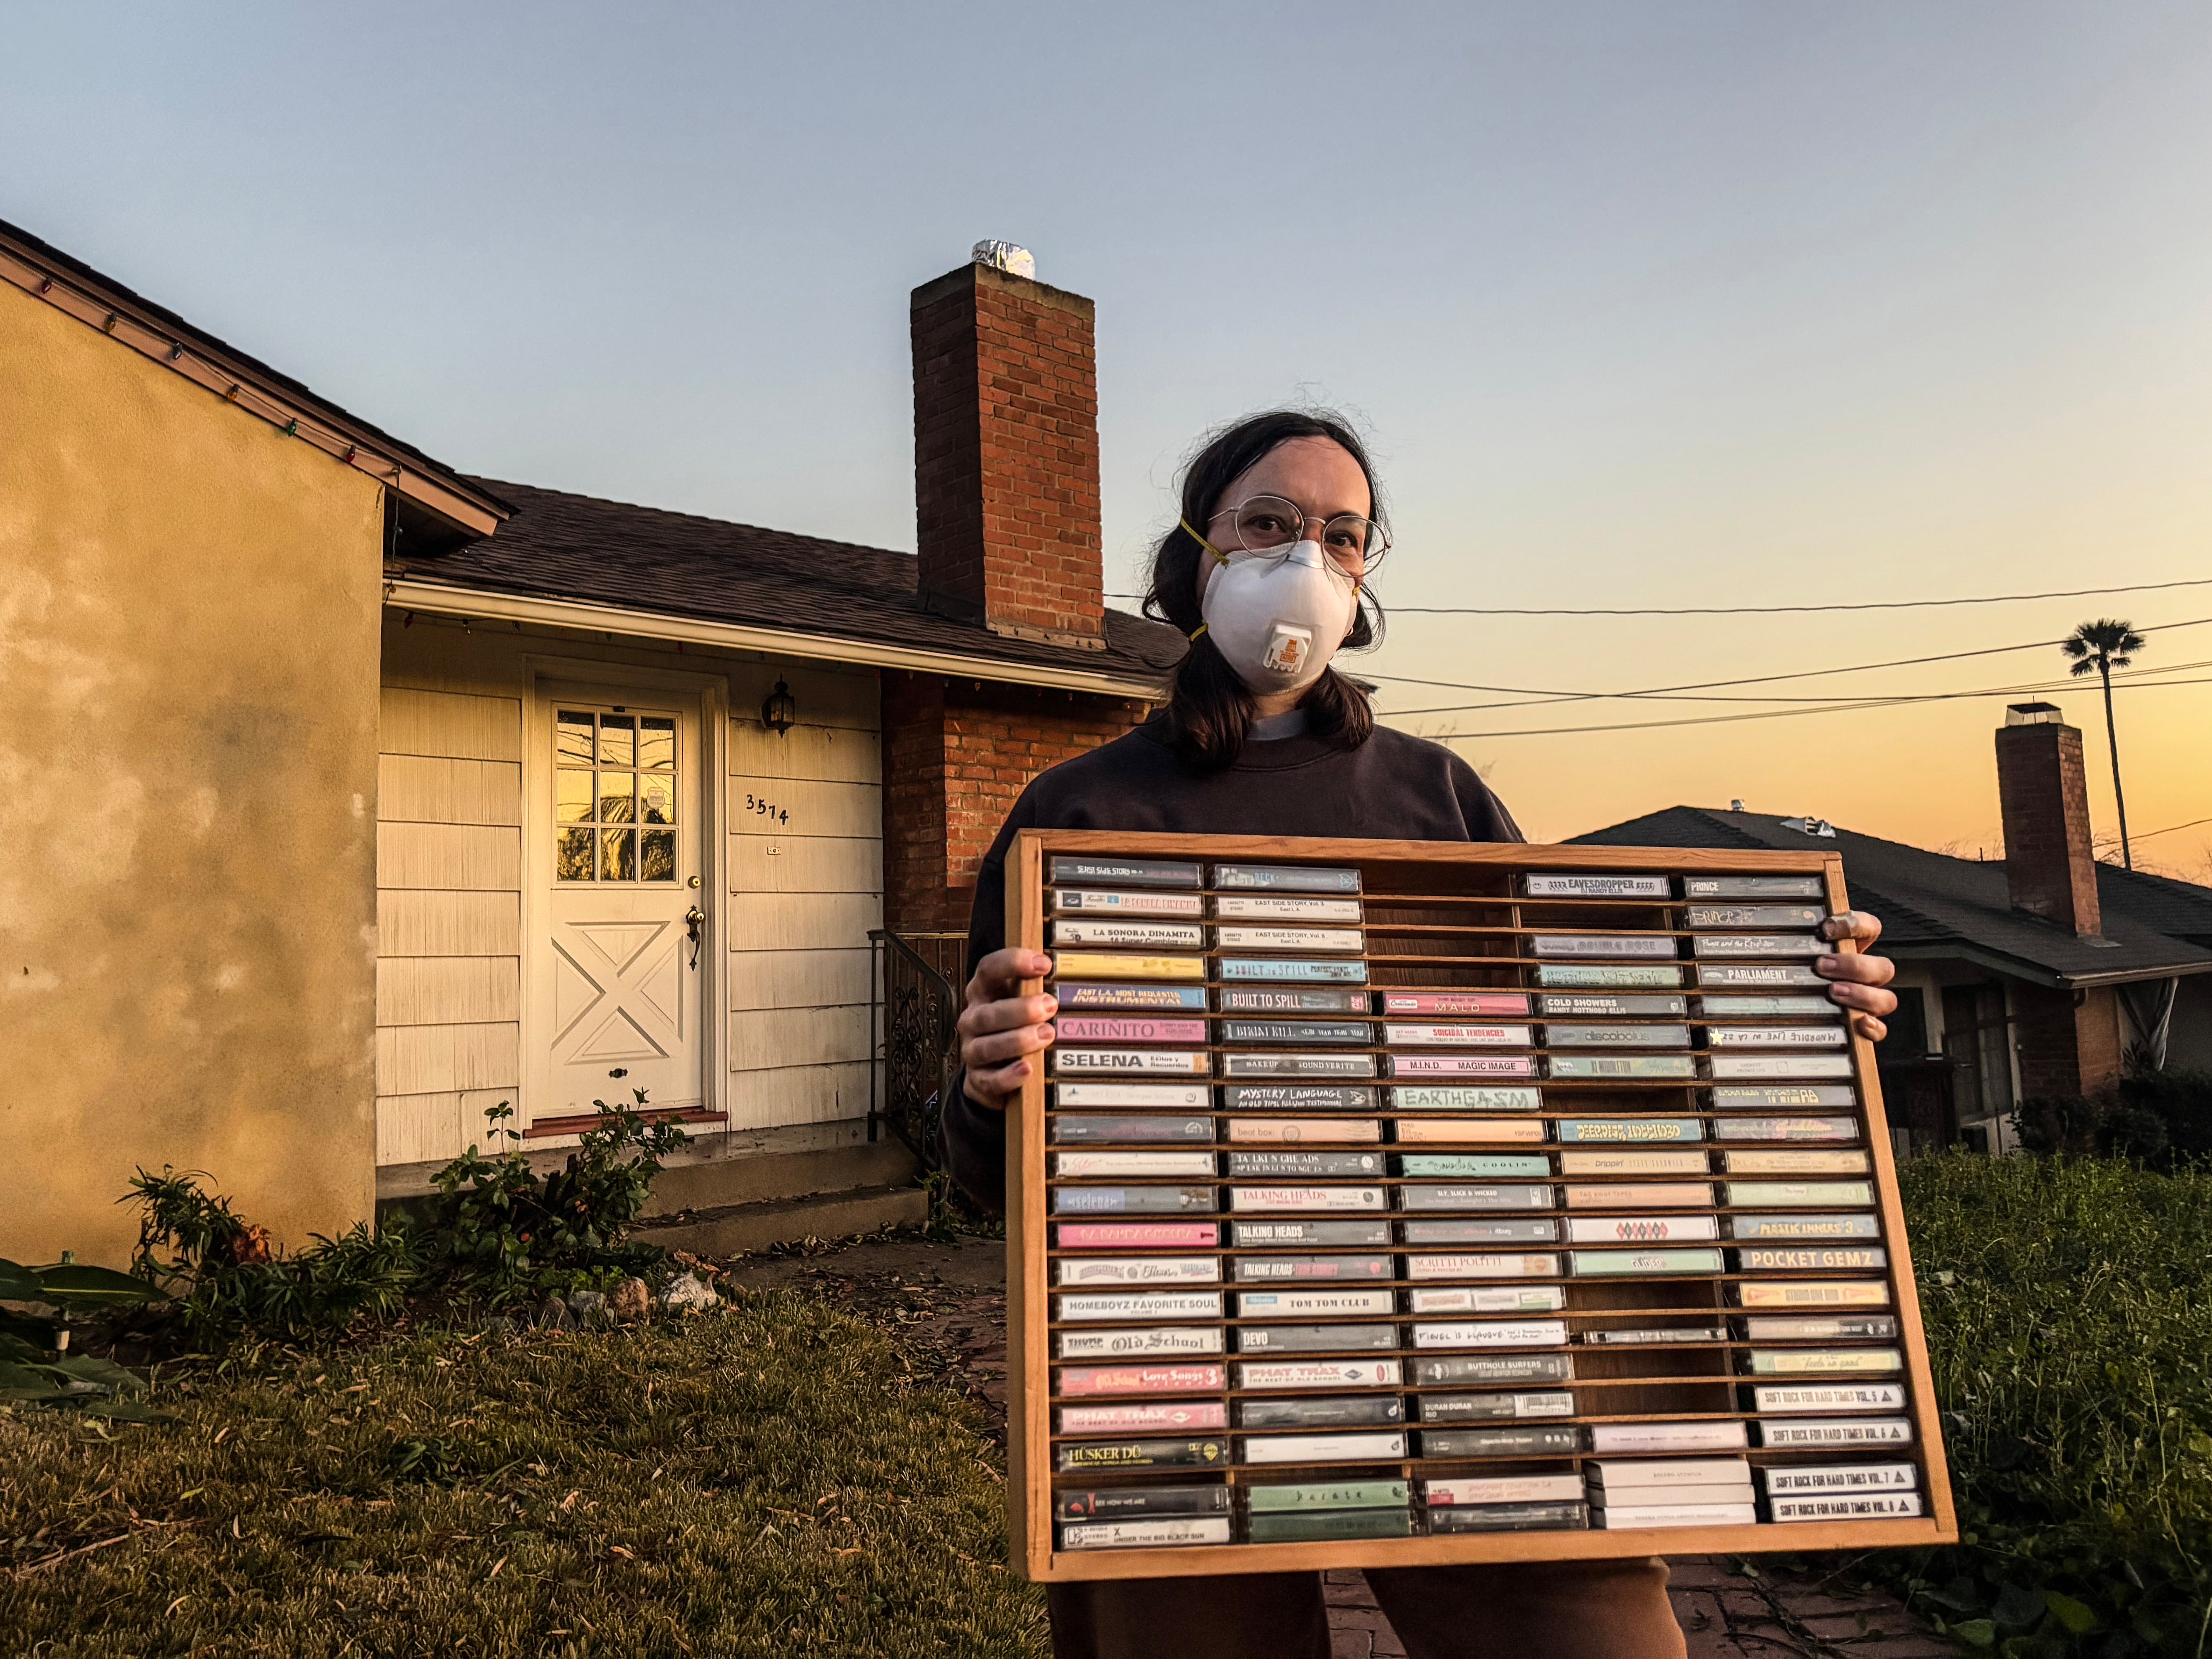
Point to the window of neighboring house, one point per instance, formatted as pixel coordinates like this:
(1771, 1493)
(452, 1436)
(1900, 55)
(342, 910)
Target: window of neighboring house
(1977, 1039)
(1908, 1026)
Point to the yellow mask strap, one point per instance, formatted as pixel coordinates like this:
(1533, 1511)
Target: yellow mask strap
(1220, 557)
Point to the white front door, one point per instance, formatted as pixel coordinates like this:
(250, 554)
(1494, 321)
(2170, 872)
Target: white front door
(618, 968)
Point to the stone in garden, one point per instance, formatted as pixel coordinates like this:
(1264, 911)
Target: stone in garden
(553, 1313)
(588, 1307)
(686, 1292)
(499, 1325)
(631, 1300)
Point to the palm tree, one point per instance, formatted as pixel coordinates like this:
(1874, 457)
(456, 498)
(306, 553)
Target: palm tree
(2098, 647)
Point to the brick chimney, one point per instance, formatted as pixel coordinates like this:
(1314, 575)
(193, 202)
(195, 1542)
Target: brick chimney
(1005, 456)
(2049, 870)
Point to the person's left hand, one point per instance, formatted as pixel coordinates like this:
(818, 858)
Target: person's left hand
(1859, 977)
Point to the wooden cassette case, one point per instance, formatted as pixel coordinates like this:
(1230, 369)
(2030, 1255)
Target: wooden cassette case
(1390, 1203)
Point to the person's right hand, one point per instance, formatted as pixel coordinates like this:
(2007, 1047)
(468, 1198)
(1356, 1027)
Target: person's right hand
(1000, 1029)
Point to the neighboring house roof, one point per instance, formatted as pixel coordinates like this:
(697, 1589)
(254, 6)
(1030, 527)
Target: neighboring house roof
(642, 559)
(1933, 905)
(39, 269)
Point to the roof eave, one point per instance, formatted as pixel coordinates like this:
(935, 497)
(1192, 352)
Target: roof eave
(1960, 950)
(447, 599)
(75, 290)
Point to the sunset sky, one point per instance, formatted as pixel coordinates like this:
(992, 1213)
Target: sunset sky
(1642, 305)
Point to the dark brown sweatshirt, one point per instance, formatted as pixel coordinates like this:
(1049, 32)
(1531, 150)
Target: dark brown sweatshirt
(1391, 787)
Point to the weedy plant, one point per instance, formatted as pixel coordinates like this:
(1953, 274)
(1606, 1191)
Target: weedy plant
(224, 1277)
(2068, 1311)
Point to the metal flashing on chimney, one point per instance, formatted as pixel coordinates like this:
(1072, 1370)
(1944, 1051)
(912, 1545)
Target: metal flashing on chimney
(1010, 257)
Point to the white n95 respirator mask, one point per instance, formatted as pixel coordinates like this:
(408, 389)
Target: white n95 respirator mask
(1278, 618)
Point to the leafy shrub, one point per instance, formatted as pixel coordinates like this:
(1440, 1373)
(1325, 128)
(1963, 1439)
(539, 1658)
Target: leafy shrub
(36, 1365)
(2163, 1119)
(499, 1230)
(514, 1231)
(2069, 1329)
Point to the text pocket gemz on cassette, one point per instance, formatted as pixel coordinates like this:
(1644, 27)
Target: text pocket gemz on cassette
(1391, 1203)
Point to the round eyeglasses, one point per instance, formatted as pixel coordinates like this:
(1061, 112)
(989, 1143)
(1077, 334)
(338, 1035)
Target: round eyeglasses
(1273, 525)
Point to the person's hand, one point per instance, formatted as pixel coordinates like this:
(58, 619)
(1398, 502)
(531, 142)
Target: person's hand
(1859, 977)
(1000, 1028)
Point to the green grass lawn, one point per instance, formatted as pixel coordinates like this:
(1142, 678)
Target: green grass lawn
(778, 1479)
(771, 1480)
(2068, 1311)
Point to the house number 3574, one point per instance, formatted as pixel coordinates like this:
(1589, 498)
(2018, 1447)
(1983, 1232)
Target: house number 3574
(761, 806)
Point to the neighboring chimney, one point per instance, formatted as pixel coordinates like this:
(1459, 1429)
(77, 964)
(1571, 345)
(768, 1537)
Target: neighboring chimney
(2040, 787)
(1005, 454)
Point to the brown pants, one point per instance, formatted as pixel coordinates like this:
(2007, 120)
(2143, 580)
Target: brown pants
(1552, 1610)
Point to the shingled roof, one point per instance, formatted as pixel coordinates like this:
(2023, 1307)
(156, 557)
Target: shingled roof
(642, 558)
(1933, 905)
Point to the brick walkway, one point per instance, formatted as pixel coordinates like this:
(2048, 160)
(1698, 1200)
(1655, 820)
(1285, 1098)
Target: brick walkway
(947, 1305)
(1724, 1614)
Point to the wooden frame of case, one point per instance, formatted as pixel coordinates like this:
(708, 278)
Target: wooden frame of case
(1028, 1486)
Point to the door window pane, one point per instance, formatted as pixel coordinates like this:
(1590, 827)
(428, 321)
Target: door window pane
(611, 771)
(617, 855)
(572, 802)
(615, 802)
(572, 856)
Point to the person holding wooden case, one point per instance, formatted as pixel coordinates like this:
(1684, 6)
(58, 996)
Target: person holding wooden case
(1266, 572)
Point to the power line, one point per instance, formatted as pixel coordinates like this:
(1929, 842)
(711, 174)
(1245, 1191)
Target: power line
(2168, 830)
(1769, 715)
(2068, 684)
(1760, 609)
(1539, 696)
(1781, 610)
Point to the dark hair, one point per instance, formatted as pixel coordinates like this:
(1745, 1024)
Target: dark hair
(1210, 709)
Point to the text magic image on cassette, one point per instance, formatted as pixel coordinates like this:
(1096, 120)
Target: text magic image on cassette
(1501, 1209)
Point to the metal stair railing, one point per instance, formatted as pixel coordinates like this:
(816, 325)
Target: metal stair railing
(911, 1035)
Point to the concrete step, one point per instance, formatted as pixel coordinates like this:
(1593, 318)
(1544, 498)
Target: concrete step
(717, 1171)
(764, 1175)
(746, 1229)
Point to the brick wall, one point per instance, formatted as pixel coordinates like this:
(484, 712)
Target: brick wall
(2042, 1031)
(1005, 438)
(2066, 1048)
(956, 755)
(2097, 1040)
(2045, 801)
(913, 800)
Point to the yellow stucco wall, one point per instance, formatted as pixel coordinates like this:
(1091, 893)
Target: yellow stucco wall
(189, 619)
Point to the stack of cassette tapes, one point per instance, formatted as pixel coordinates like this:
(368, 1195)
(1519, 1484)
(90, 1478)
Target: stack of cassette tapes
(1379, 1194)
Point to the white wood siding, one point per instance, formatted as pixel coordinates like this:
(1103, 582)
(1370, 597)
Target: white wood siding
(449, 906)
(806, 882)
(425, 789)
(418, 1128)
(802, 889)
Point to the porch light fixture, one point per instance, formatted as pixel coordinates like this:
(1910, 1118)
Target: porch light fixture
(780, 710)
